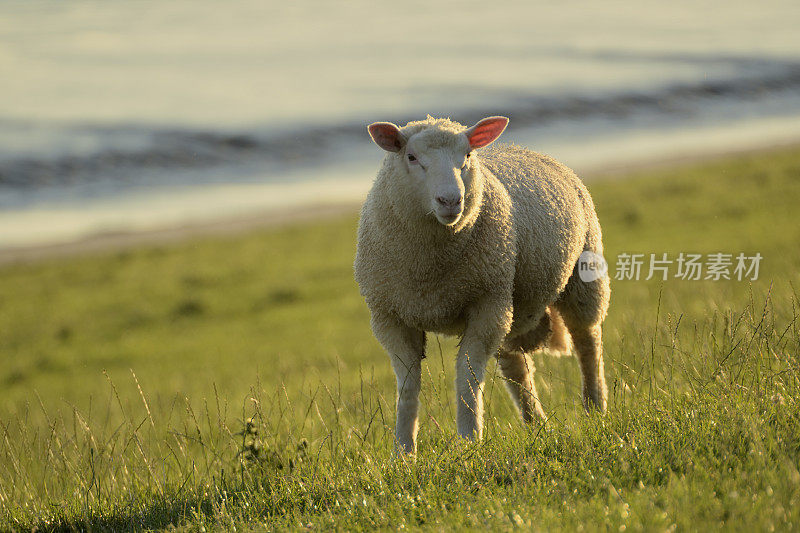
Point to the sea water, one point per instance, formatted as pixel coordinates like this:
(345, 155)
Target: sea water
(130, 115)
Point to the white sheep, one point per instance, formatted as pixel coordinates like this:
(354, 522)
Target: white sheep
(482, 244)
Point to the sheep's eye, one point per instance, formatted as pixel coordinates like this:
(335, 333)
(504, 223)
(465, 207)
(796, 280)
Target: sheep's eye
(411, 157)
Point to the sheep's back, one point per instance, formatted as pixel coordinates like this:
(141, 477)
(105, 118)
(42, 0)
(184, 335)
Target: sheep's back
(554, 220)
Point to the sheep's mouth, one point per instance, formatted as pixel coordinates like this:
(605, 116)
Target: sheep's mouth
(448, 219)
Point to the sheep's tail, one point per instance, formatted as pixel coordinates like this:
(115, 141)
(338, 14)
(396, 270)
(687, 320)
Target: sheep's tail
(560, 342)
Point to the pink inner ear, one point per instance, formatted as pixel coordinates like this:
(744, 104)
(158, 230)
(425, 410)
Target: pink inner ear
(486, 131)
(386, 135)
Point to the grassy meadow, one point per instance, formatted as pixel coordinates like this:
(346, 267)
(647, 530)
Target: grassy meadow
(234, 382)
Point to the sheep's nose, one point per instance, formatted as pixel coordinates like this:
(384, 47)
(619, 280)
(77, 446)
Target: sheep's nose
(453, 201)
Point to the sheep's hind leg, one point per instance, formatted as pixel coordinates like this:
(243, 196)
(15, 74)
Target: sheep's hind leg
(518, 370)
(583, 306)
(589, 348)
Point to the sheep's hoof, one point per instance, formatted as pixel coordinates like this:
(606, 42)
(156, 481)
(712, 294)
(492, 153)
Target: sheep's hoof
(594, 403)
(534, 415)
(405, 449)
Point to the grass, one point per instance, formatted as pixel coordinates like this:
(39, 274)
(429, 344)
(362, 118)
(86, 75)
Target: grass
(234, 383)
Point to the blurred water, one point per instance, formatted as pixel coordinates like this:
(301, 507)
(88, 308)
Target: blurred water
(104, 103)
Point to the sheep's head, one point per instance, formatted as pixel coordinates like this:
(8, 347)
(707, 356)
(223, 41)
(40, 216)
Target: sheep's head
(437, 157)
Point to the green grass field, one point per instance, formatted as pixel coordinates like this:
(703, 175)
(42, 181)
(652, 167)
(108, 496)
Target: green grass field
(234, 382)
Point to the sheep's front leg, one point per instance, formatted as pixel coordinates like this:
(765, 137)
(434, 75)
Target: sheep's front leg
(406, 348)
(486, 328)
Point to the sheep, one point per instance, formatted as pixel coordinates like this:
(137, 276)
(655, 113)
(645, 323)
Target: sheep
(481, 243)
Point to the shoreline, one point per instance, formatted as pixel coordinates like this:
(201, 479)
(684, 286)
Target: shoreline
(113, 241)
(223, 226)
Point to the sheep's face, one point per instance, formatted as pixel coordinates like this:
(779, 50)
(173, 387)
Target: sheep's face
(438, 165)
(439, 162)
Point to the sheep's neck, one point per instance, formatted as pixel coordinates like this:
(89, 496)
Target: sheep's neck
(422, 247)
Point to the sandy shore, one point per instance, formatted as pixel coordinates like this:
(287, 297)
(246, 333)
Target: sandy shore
(232, 225)
(113, 241)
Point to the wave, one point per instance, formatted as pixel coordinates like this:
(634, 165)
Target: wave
(131, 153)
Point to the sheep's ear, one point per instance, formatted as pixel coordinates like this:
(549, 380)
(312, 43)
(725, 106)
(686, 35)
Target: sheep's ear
(387, 136)
(486, 131)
